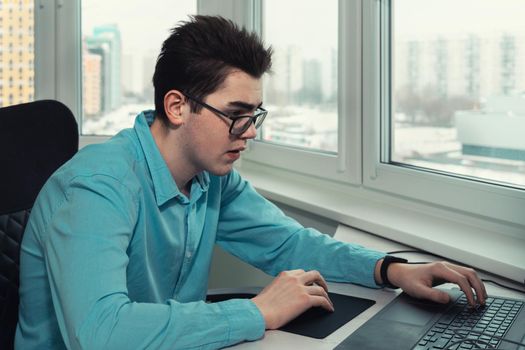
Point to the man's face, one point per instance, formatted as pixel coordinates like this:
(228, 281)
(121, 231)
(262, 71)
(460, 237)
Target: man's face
(208, 144)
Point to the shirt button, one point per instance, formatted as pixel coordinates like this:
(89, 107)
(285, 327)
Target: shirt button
(188, 255)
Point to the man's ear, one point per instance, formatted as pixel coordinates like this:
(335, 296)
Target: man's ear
(174, 100)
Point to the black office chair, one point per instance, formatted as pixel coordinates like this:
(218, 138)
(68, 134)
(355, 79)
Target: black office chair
(35, 139)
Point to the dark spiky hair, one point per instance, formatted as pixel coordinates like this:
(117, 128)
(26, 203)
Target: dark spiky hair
(200, 53)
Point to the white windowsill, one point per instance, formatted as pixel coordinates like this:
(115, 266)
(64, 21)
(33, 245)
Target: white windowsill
(483, 244)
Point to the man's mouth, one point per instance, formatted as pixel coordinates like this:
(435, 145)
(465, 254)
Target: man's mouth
(237, 150)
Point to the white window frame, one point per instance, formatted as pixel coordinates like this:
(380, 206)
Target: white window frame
(58, 53)
(45, 49)
(455, 192)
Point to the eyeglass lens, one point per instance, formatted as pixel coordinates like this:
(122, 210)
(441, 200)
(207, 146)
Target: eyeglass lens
(240, 125)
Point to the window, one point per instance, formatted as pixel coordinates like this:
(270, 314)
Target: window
(458, 89)
(118, 58)
(445, 117)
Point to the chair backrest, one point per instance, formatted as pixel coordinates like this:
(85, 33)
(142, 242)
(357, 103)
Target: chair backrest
(36, 138)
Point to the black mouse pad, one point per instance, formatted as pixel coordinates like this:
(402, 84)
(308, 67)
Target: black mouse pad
(316, 322)
(319, 323)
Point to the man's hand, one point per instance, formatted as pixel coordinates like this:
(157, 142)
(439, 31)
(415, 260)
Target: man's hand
(417, 280)
(290, 294)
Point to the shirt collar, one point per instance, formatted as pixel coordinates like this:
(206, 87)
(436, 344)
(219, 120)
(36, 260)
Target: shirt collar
(164, 185)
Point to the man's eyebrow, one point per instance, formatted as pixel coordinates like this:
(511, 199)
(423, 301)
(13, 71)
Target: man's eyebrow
(244, 105)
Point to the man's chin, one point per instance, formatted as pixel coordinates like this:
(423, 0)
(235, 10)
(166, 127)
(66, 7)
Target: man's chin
(221, 171)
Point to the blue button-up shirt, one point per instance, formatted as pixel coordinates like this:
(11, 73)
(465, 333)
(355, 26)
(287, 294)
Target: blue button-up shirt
(115, 256)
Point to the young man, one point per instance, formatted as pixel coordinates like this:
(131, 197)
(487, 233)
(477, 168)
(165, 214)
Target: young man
(117, 251)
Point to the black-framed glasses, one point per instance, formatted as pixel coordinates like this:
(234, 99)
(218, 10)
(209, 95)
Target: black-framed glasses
(240, 123)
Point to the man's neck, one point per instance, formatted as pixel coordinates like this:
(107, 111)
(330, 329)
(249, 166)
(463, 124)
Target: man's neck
(182, 172)
(186, 190)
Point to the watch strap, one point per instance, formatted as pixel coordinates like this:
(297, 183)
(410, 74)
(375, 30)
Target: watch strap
(387, 260)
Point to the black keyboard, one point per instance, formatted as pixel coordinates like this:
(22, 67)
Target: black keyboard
(463, 327)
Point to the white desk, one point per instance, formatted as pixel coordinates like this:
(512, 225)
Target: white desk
(283, 340)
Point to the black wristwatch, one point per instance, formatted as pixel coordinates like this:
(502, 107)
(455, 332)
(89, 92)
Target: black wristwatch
(387, 260)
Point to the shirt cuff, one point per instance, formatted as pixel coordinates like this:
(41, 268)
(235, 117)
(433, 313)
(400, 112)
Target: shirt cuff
(370, 262)
(244, 318)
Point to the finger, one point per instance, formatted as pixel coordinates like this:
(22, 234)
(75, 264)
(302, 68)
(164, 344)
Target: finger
(322, 302)
(318, 291)
(451, 275)
(314, 276)
(474, 280)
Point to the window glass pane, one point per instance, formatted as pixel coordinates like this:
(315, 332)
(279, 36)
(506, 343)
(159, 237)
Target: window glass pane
(121, 40)
(16, 52)
(301, 93)
(458, 77)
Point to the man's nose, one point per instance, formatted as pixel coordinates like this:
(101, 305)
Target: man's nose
(250, 133)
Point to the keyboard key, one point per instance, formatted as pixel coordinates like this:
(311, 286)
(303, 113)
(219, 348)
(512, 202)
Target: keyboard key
(438, 329)
(449, 316)
(440, 344)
